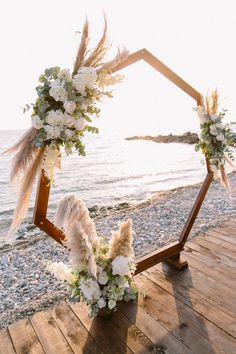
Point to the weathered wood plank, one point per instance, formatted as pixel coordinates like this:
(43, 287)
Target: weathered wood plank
(101, 330)
(220, 242)
(73, 330)
(6, 346)
(202, 286)
(24, 338)
(195, 331)
(214, 269)
(200, 304)
(209, 249)
(164, 341)
(50, 336)
(225, 234)
(221, 251)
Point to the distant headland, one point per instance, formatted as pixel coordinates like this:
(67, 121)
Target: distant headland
(186, 138)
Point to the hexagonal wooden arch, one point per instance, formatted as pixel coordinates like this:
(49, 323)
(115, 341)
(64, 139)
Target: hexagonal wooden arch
(170, 253)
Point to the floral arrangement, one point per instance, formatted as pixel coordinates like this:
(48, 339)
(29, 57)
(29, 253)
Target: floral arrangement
(98, 274)
(63, 111)
(216, 138)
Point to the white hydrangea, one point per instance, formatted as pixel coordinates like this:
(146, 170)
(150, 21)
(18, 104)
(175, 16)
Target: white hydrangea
(61, 271)
(52, 132)
(90, 289)
(101, 303)
(64, 74)
(120, 265)
(57, 91)
(69, 133)
(69, 106)
(111, 304)
(88, 75)
(36, 122)
(55, 117)
(80, 123)
(102, 276)
(220, 137)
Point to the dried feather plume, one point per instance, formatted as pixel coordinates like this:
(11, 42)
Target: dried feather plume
(122, 239)
(80, 233)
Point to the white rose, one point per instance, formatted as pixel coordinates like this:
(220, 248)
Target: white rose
(69, 133)
(58, 93)
(52, 132)
(79, 85)
(64, 74)
(83, 107)
(55, 117)
(102, 277)
(120, 265)
(111, 304)
(213, 129)
(220, 137)
(90, 289)
(69, 106)
(88, 75)
(101, 303)
(61, 271)
(36, 122)
(80, 124)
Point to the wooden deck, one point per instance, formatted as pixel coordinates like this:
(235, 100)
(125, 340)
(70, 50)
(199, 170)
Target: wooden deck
(193, 311)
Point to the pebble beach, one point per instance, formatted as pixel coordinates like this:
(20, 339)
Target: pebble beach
(27, 287)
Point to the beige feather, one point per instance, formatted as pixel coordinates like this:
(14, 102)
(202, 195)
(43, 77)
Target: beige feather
(83, 48)
(122, 240)
(25, 188)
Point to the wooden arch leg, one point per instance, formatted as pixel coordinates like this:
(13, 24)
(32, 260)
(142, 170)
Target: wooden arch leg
(177, 261)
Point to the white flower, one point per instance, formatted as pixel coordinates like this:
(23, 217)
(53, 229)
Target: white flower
(69, 106)
(61, 271)
(102, 276)
(64, 74)
(219, 125)
(101, 303)
(213, 129)
(83, 107)
(52, 132)
(69, 121)
(120, 265)
(111, 304)
(57, 91)
(90, 289)
(36, 122)
(79, 85)
(88, 75)
(80, 124)
(55, 117)
(69, 133)
(220, 137)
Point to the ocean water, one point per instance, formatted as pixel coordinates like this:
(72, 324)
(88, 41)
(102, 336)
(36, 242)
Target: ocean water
(114, 170)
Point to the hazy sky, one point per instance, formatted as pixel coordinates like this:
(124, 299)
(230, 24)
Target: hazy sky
(194, 38)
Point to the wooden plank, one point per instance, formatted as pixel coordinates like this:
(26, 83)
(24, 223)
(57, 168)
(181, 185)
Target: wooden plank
(164, 341)
(194, 299)
(201, 240)
(225, 234)
(24, 338)
(211, 250)
(49, 334)
(215, 269)
(73, 330)
(195, 331)
(101, 330)
(202, 286)
(210, 237)
(6, 346)
(155, 257)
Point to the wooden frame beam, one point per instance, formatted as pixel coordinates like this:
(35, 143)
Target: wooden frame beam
(170, 253)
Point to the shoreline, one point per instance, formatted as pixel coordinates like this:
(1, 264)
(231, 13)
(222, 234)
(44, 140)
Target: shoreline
(27, 287)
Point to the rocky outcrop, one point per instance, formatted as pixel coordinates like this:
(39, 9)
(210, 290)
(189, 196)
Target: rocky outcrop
(186, 138)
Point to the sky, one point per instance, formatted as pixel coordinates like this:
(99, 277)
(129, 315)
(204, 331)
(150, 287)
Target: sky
(195, 39)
